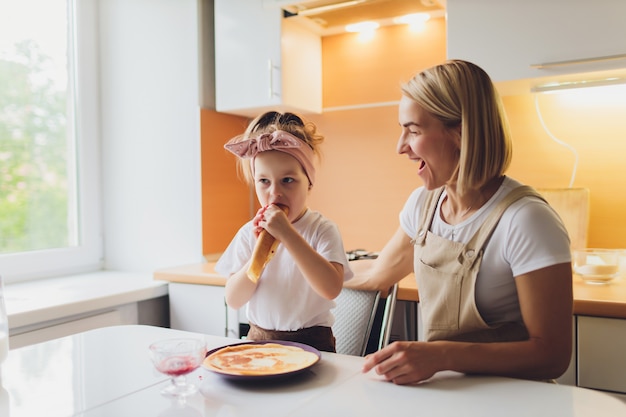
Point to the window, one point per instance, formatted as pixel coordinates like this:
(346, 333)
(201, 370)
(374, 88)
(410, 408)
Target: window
(49, 171)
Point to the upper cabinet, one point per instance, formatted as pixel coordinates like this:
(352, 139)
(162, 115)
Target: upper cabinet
(534, 39)
(264, 61)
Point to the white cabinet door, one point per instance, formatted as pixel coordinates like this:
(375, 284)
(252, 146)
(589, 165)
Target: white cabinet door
(125, 314)
(506, 37)
(569, 376)
(198, 308)
(263, 61)
(601, 353)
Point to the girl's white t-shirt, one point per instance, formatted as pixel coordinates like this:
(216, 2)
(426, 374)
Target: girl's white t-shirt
(284, 300)
(529, 236)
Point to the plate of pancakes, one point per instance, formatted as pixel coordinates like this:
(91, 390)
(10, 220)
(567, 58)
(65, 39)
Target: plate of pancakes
(261, 359)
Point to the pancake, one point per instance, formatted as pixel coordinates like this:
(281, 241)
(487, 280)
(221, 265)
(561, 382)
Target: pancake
(259, 359)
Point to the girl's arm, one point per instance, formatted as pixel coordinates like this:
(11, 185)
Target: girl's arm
(239, 288)
(325, 277)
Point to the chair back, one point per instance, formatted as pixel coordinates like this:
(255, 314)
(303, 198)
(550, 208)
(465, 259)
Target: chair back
(355, 314)
(387, 320)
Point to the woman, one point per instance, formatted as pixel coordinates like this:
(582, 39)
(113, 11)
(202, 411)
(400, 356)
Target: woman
(491, 258)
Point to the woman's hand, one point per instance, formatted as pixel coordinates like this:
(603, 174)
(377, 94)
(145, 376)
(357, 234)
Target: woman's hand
(405, 362)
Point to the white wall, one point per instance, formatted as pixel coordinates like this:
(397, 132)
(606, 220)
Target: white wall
(150, 126)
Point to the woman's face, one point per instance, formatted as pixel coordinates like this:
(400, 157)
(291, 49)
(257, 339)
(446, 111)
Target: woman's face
(427, 142)
(280, 179)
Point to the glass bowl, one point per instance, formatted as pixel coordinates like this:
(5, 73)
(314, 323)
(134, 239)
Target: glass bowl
(597, 266)
(176, 358)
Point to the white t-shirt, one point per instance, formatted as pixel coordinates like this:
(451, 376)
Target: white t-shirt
(529, 236)
(284, 300)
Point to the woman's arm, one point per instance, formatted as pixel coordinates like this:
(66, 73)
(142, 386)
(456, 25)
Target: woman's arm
(394, 262)
(546, 304)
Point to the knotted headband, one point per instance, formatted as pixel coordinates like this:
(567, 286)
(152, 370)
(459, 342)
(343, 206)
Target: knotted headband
(278, 140)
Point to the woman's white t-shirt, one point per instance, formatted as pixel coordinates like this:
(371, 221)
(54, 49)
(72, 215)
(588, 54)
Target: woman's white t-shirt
(529, 236)
(284, 300)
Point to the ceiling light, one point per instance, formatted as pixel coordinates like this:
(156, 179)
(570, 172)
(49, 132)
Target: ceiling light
(368, 26)
(410, 19)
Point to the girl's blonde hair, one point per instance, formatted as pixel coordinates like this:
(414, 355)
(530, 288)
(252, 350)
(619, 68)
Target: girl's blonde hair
(272, 121)
(461, 93)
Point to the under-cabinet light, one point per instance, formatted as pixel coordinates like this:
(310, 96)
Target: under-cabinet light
(567, 85)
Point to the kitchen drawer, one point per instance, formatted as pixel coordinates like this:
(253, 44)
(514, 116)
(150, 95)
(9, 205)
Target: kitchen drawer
(126, 314)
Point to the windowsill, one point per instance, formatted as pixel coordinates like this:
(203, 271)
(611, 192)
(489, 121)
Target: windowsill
(33, 302)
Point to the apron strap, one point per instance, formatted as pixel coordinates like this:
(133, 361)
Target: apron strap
(483, 234)
(427, 215)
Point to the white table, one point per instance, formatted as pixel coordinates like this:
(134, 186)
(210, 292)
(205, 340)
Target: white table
(107, 373)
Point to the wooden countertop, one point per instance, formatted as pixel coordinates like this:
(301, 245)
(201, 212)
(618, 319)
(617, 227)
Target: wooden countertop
(607, 300)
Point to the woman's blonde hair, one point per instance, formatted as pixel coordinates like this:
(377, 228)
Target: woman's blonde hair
(272, 121)
(460, 93)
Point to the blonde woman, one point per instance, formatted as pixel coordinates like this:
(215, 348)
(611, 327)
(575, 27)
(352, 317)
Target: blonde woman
(491, 257)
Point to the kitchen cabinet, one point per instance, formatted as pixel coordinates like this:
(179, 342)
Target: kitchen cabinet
(151, 312)
(508, 38)
(198, 308)
(264, 61)
(122, 315)
(601, 347)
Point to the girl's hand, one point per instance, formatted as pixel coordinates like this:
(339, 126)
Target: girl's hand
(275, 221)
(258, 217)
(272, 219)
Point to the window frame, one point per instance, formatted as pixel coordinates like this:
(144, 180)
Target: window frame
(88, 254)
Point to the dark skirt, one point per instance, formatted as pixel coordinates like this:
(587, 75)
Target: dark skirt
(320, 337)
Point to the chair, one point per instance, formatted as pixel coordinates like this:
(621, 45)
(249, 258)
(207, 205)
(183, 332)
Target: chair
(355, 314)
(387, 321)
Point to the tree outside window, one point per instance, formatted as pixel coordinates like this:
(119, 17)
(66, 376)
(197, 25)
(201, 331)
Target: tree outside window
(35, 205)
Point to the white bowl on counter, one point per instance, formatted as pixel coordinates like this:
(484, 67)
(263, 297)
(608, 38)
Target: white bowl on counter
(597, 266)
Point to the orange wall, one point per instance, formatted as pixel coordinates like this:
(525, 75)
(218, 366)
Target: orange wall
(593, 122)
(225, 198)
(363, 183)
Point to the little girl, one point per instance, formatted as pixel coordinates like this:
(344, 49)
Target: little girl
(294, 295)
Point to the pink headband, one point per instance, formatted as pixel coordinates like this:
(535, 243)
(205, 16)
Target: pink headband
(278, 140)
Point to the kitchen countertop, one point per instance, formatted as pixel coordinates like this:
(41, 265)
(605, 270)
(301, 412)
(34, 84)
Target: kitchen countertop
(34, 302)
(607, 300)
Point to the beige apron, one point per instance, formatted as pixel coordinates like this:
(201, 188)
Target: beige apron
(446, 274)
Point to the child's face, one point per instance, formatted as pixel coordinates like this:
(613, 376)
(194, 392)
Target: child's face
(279, 178)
